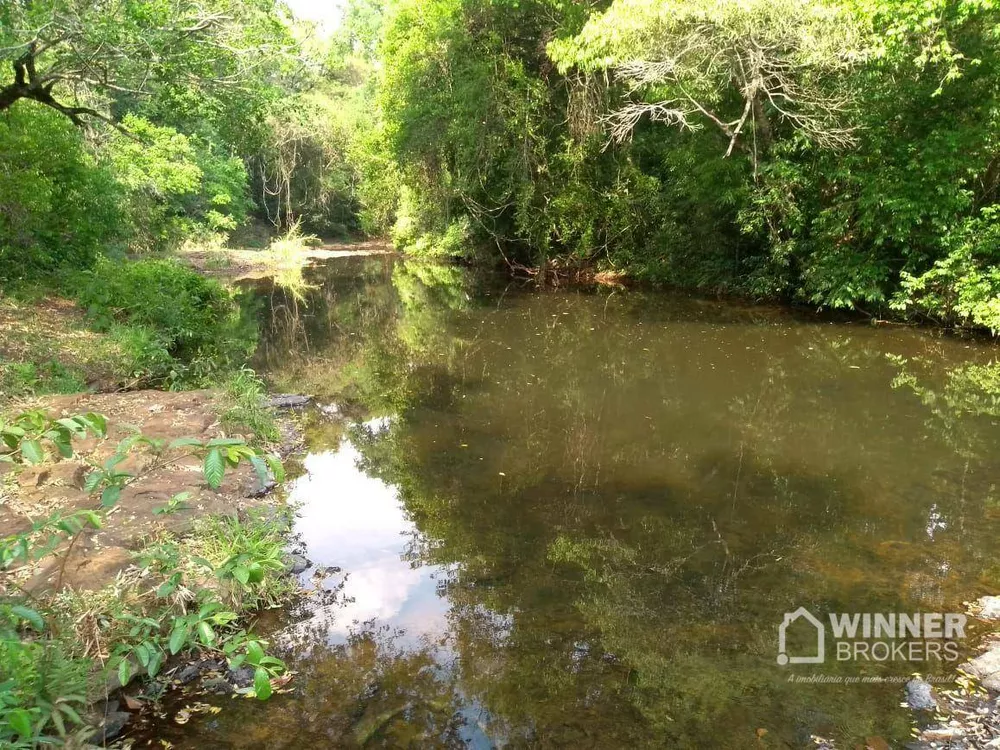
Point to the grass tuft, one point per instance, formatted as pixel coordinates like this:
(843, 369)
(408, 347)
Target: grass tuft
(246, 409)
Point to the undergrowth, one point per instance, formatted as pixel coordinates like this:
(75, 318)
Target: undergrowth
(245, 408)
(183, 594)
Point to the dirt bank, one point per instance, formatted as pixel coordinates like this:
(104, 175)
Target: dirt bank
(32, 493)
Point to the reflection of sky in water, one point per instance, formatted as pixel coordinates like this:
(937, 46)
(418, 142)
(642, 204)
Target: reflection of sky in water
(356, 522)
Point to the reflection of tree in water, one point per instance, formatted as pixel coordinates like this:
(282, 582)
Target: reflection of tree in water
(961, 405)
(629, 497)
(367, 692)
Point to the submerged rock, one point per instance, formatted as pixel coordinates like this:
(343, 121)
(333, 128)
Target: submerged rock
(288, 401)
(242, 677)
(188, 674)
(255, 490)
(217, 685)
(111, 726)
(298, 564)
(920, 695)
(986, 608)
(986, 667)
(330, 411)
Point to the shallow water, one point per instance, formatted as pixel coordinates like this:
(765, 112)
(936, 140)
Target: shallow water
(576, 518)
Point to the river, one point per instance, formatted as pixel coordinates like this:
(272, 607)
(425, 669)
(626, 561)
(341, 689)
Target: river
(576, 518)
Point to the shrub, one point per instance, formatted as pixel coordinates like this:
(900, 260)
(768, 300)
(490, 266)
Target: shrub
(26, 378)
(962, 288)
(195, 319)
(140, 353)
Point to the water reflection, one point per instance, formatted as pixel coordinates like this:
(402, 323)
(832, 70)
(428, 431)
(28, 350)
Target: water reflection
(358, 523)
(582, 515)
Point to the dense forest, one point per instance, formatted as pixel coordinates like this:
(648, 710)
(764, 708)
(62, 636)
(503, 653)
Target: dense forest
(839, 153)
(834, 154)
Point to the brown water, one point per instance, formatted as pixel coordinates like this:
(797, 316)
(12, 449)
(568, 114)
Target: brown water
(576, 518)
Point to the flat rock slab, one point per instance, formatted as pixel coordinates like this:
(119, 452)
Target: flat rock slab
(288, 401)
(98, 555)
(986, 667)
(986, 608)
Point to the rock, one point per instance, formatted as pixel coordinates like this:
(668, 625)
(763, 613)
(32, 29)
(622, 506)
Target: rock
(33, 476)
(943, 734)
(188, 673)
(986, 608)
(330, 411)
(254, 489)
(110, 727)
(986, 667)
(242, 677)
(920, 695)
(275, 515)
(217, 685)
(297, 564)
(288, 401)
(113, 683)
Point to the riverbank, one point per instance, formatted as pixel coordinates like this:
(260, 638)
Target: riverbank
(143, 529)
(146, 544)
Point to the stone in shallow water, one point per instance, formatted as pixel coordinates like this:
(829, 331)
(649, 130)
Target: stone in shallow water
(242, 677)
(920, 695)
(297, 564)
(288, 401)
(986, 667)
(987, 608)
(111, 726)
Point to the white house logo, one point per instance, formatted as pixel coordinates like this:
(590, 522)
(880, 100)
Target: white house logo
(791, 617)
(864, 636)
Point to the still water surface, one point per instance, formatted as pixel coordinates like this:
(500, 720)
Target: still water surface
(576, 518)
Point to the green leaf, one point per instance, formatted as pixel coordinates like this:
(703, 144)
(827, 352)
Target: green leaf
(214, 468)
(92, 481)
(62, 439)
(64, 447)
(277, 468)
(142, 653)
(110, 496)
(242, 575)
(20, 722)
(225, 442)
(254, 653)
(32, 451)
(260, 467)
(124, 671)
(155, 662)
(185, 442)
(206, 633)
(98, 423)
(256, 572)
(178, 637)
(261, 684)
(57, 719)
(169, 586)
(70, 711)
(30, 616)
(73, 426)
